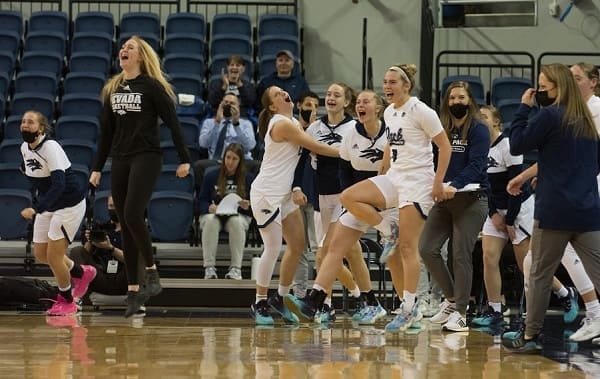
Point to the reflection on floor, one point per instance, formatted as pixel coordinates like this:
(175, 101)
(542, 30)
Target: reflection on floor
(181, 344)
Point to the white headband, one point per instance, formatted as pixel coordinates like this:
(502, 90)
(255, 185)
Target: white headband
(401, 72)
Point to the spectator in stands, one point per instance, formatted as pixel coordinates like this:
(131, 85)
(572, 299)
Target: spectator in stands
(284, 78)
(463, 213)
(307, 106)
(233, 82)
(230, 178)
(133, 101)
(102, 249)
(58, 211)
(228, 126)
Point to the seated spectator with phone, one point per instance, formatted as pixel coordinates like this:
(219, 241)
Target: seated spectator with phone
(225, 128)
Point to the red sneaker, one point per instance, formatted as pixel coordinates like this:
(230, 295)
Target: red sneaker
(80, 285)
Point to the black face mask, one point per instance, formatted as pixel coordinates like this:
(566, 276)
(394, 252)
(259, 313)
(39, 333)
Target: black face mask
(305, 114)
(542, 98)
(29, 137)
(459, 110)
(113, 215)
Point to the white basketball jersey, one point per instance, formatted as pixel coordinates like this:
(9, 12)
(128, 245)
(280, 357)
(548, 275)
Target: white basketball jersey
(279, 163)
(363, 153)
(48, 157)
(410, 130)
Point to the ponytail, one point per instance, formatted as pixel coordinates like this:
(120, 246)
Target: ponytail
(263, 121)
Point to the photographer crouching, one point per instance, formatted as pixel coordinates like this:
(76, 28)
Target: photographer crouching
(102, 249)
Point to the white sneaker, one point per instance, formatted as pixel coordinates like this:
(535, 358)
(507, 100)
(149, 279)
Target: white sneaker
(590, 328)
(444, 313)
(234, 273)
(210, 273)
(456, 323)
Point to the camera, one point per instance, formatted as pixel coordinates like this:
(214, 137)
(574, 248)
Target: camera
(99, 232)
(227, 110)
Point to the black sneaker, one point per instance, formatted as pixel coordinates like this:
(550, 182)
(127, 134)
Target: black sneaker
(276, 303)
(135, 301)
(522, 346)
(153, 286)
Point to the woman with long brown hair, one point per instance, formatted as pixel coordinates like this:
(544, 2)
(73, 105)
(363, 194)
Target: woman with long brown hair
(230, 178)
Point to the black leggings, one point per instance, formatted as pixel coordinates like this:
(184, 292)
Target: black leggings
(132, 181)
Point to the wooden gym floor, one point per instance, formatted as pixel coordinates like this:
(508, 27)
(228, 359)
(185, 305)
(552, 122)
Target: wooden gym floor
(226, 344)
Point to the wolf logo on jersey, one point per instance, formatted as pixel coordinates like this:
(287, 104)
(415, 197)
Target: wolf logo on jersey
(492, 162)
(33, 164)
(373, 155)
(329, 138)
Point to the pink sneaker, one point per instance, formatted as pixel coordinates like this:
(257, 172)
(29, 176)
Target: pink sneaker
(80, 285)
(62, 307)
(63, 321)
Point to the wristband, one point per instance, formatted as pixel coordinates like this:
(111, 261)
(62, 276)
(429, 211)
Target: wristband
(296, 189)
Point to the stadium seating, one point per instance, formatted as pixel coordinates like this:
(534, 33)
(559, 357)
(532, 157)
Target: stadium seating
(189, 23)
(12, 225)
(170, 216)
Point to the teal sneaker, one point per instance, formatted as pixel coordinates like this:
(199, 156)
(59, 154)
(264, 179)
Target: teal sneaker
(303, 308)
(390, 244)
(277, 304)
(522, 346)
(372, 314)
(404, 320)
(489, 318)
(260, 312)
(570, 305)
(326, 314)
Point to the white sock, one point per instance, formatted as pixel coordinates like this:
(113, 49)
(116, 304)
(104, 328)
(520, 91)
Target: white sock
(327, 301)
(355, 292)
(259, 298)
(562, 292)
(497, 307)
(592, 309)
(409, 301)
(283, 290)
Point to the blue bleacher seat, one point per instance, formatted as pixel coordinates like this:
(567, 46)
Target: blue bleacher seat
(82, 173)
(10, 41)
(190, 127)
(231, 23)
(41, 102)
(84, 82)
(508, 88)
(184, 43)
(12, 225)
(49, 21)
(150, 38)
(168, 181)
(2, 106)
(10, 150)
(4, 85)
(100, 207)
(79, 151)
(280, 24)
(190, 23)
(81, 104)
(187, 83)
(102, 22)
(474, 81)
(46, 41)
(92, 41)
(230, 44)
(43, 61)
(11, 176)
(184, 63)
(507, 109)
(270, 45)
(36, 81)
(82, 127)
(170, 215)
(11, 20)
(140, 22)
(219, 62)
(90, 62)
(12, 127)
(7, 63)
